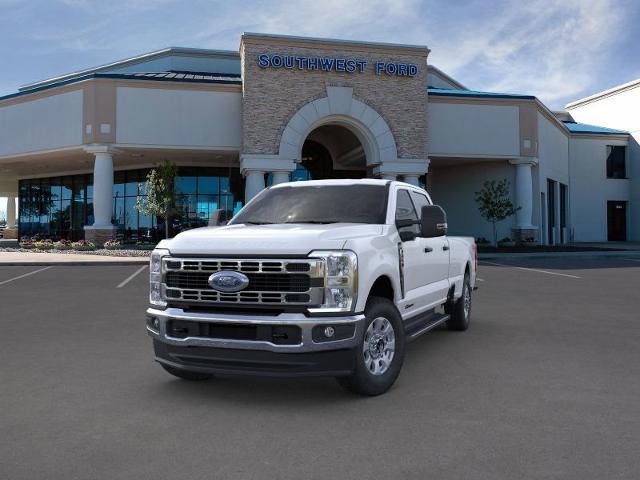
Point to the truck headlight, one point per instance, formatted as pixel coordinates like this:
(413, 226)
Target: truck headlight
(340, 280)
(156, 296)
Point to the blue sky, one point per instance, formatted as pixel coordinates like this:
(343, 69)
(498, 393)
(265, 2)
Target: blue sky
(558, 50)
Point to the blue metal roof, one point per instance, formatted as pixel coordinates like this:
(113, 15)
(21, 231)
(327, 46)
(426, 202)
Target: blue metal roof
(445, 92)
(188, 77)
(575, 127)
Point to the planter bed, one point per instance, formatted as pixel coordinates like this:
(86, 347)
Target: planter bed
(121, 252)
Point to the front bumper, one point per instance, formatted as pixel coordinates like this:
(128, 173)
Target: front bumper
(308, 354)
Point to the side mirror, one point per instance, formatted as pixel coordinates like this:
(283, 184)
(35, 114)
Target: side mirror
(433, 222)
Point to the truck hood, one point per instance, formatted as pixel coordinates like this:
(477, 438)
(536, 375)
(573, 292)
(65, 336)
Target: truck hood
(279, 239)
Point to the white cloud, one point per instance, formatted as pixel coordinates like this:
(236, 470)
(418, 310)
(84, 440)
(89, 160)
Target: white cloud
(553, 49)
(548, 48)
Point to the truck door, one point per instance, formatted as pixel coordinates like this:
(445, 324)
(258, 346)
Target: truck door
(420, 279)
(436, 255)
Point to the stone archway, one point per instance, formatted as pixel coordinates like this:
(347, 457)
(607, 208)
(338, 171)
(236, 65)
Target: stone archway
(340, 108)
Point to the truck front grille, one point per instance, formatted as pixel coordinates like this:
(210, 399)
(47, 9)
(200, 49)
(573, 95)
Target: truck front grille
(273, 282)
(258, 282)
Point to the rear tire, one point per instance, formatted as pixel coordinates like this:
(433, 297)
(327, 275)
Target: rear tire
(379, 355)
(460, 310)
(186, 374)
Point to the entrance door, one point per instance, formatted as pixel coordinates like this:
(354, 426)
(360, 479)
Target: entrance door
(333, 151)
(563, 213)
(551, 212)
(617, 221)
(543, 219)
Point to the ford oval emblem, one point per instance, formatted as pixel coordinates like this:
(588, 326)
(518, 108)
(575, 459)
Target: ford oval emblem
(228, 281)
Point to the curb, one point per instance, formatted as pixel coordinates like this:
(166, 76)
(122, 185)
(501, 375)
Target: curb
(74, 263)
(617, 253)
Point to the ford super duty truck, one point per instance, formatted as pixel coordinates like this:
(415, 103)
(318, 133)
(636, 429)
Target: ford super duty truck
(328, 277)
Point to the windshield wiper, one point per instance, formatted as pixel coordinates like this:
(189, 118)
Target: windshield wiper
(259, 223)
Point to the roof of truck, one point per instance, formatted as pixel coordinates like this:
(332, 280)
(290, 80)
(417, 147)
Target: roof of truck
(318, 183)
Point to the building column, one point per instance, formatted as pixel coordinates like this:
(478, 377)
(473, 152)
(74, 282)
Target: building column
(280, 177)
(102, 228)
(253, 166)
(524, 198)
(409, 169)
(11, 212)
(412, 179)
(11, 232)
(254, 183)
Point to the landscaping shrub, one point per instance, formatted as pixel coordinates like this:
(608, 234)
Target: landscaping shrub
(83, 245)
(113, 244)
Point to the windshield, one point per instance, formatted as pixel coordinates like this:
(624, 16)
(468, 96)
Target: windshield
(317, 204)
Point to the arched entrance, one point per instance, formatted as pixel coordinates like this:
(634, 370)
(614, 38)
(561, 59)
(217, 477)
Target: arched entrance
(336, 136)
(333, 151)
(339, 119)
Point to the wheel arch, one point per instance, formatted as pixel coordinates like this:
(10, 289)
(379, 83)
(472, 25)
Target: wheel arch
(382, 287)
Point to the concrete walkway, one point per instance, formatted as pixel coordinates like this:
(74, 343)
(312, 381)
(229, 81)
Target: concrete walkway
(34, 258)
(624, 249)
(592, 253)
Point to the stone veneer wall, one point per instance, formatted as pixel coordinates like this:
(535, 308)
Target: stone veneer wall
(271, 96)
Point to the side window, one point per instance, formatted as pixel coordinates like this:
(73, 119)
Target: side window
(405, 210)
(616, 161)
(419, 201)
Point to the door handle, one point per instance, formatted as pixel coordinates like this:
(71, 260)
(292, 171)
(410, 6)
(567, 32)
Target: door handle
(428, 249)
(445, 247)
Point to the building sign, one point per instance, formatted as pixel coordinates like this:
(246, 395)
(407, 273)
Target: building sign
(335, 64)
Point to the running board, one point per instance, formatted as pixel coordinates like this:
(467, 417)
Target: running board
(422, 324)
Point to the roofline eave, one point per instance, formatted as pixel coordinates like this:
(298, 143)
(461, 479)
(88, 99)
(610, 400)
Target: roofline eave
(127, 61)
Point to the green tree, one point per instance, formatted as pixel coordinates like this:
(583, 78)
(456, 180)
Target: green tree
(160, 199)
(494, 203)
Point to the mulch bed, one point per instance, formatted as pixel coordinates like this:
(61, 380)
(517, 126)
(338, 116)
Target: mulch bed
(102, 252)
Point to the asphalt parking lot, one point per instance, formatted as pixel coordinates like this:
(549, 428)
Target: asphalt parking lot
(545, 384)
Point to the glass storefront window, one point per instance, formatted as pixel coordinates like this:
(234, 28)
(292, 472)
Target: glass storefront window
(60, 207)
(186, 185)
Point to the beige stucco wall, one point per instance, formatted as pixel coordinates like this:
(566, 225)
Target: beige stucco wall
(49, 122)
(272, 96)
(179, 117)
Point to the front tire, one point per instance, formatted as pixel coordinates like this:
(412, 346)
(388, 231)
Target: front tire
(186, 374)
(379, 356)
(461, 309)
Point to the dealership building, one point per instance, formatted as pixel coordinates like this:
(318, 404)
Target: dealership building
(75, 149)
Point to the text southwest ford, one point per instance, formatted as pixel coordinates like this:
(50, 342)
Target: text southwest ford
(326, 277)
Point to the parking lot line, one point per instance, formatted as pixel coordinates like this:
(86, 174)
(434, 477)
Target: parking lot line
(24, 275)
(480, 279)
(531, 269)
(131, 277)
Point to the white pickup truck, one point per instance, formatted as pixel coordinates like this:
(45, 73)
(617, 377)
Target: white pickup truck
(327, 277)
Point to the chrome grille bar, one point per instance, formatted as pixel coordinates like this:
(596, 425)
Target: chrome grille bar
(272, 281)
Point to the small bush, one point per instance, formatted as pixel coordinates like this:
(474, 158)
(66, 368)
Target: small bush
(62, 245)
(112, 244)
(43, 244)
(83, 245)
(482, 241)
(26, 242)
